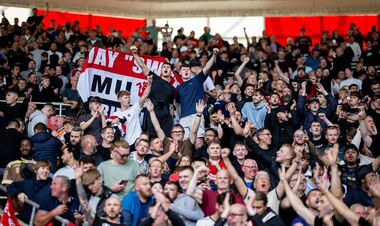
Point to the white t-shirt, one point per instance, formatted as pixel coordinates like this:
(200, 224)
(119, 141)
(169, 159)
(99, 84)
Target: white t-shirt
(206, 221)
(66, 171)
(132, 122)
(273, 201)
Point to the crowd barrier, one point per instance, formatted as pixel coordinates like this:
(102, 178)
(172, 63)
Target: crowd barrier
(59, 106)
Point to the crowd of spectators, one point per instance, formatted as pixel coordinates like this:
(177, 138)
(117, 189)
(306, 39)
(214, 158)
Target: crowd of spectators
(257, 134)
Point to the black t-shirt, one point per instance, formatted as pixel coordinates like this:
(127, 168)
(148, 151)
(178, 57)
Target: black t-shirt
(350, 176)
(34, 21)
(375, 145)
(289, 214)
(319, 222)
(161, 95)
(319, 143)
(104, 152)
(103, 222)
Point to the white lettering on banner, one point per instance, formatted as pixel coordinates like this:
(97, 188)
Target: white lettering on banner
(101, 57)
(114, 75)
(153, 65)
(106, 85)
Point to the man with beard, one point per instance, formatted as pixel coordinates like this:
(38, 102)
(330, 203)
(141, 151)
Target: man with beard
(210, 135)
(246, 96)
(19, 170)
(136, 204)
(70, 158)
(161, 94)
(112, 210)
(75, 137)
(138, 155)
(281, 125)
(351, 168)
(119, 169)
(88, 148)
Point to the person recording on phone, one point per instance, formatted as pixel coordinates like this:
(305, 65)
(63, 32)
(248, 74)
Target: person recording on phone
(119, 169)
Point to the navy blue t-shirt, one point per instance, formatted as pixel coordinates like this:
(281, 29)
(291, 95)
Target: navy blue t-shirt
(189, 93)
(51, 203)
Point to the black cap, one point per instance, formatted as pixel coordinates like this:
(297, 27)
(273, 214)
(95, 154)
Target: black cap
(352, 147)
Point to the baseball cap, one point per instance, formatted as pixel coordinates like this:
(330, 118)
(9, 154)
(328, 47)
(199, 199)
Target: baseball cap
(352, 147)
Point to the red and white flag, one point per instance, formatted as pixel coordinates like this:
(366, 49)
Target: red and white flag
(106, 72)
(9, 217)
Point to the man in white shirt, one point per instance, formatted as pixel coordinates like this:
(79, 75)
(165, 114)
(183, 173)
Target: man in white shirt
(130, 115)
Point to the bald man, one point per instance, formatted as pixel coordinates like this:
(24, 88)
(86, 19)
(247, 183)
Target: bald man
(112, 210)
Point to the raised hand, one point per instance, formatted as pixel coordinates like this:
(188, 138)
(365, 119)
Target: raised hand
(78, 171)
(321, 89)
(294, 105)
(282, 174)
(246, 60)
(322, 116)
(149, 105)
(133, 49)
(231, 109)
(202, 169)
(224, 153)
(200, 106)
(215, 51)
(247, 128)
(249, 205)
(22, 197)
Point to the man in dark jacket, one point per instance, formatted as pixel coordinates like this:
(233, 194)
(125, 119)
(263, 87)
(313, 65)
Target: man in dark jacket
(312, 112)
(46, 145)
(264, 214)
(281, 125)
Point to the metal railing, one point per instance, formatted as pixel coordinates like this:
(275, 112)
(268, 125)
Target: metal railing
(35, 207)
(59, 106)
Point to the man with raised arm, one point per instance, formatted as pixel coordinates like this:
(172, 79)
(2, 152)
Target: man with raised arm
(130, 115)
(161, 94)
(190, 92)
(262, 183)
(185, 146)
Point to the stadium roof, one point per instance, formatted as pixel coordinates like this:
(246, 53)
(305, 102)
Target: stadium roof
(195, 8)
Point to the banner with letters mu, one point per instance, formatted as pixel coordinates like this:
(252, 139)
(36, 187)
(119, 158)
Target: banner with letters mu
(106, 72)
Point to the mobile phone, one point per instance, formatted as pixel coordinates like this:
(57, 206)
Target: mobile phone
(124, 182)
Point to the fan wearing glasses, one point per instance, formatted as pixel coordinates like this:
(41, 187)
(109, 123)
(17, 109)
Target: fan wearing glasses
(119, 170)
